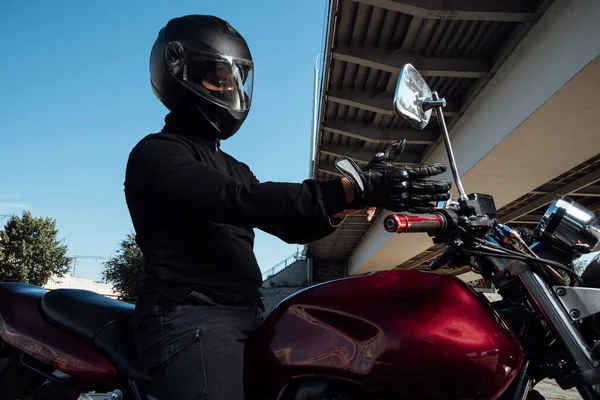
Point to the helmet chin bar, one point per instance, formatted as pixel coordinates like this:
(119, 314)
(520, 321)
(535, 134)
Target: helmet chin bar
(224, 127)
(216, 124)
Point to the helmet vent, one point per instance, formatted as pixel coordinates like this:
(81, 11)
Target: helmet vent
(174, 53)
(228, 30)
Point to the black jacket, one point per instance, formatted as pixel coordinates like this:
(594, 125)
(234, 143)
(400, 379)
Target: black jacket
(194, 208)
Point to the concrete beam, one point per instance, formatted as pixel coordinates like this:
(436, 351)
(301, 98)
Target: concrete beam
(490, 10)
(428, 66)
(588, 191)
(377, 103)
(330, 169)
(579, 184)
(363, 156)
(499, 58)
(373, 134)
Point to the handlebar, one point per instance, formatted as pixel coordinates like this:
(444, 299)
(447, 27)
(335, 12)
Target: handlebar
(402, 223)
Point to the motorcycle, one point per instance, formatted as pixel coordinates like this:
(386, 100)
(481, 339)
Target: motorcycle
(383, 335)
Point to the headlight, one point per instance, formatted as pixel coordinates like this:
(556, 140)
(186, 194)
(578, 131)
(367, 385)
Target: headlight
(570, 226)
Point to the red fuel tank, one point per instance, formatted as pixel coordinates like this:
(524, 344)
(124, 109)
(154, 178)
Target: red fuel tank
(406, 332)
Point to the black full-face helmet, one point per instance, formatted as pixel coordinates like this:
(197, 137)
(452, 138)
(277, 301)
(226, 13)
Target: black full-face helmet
(201, 68)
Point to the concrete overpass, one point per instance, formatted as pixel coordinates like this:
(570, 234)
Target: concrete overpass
(521, 78)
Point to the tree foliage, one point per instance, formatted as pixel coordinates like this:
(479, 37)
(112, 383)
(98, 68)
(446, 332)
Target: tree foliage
(125, 270)
(30, 251)
(581, 263)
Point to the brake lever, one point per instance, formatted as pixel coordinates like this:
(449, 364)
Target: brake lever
(389, 155)
(443, 259)
(395, 150)
(438, 262)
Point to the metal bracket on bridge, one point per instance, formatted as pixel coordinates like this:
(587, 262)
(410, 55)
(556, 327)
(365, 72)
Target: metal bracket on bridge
(579, 302)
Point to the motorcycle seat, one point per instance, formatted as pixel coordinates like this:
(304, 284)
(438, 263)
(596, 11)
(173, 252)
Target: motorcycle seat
(100, 320)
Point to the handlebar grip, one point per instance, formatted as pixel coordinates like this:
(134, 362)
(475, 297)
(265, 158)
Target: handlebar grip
(401, 223)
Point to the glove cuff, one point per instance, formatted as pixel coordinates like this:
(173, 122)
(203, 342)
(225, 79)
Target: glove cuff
(354, 174)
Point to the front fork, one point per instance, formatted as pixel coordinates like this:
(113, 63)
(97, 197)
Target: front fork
(560, 322)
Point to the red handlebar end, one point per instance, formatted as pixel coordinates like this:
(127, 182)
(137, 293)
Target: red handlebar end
(396, 223)
(400, 223)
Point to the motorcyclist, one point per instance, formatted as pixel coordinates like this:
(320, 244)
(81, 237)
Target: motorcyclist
(194, 208)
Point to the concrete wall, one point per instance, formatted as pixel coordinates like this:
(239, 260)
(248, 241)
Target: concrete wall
(273, 296)
(293, 275)
(324, 271)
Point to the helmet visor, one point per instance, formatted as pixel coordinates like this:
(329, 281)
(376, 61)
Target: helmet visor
(221, 79)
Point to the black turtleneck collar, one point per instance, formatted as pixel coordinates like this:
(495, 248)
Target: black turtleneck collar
(196, 129)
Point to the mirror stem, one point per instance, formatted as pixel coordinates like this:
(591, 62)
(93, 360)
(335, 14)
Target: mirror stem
(444, 129)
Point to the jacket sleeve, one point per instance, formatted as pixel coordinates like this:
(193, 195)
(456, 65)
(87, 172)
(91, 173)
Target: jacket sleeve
(166, 170)
(306, 231)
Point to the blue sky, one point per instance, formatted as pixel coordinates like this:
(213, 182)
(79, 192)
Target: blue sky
(76, 98)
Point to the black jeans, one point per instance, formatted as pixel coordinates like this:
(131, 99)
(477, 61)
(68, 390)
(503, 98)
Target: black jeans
(196, 351)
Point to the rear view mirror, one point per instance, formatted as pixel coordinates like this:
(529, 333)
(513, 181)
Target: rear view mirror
(414, 102)
(411, 92)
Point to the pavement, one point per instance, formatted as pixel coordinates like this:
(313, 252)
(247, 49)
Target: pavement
(551, 391)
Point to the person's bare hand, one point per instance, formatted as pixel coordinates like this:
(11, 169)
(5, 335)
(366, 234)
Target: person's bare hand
(371, 213)
(345, 213)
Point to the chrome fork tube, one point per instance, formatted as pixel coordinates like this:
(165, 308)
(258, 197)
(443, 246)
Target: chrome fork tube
(561, 323)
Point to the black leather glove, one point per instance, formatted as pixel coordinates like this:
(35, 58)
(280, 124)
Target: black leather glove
(395, 188)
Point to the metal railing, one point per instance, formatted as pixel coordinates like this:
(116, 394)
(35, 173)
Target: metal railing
(280, 266)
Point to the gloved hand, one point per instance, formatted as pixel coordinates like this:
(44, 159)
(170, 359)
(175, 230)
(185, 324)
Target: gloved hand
(395, 188)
